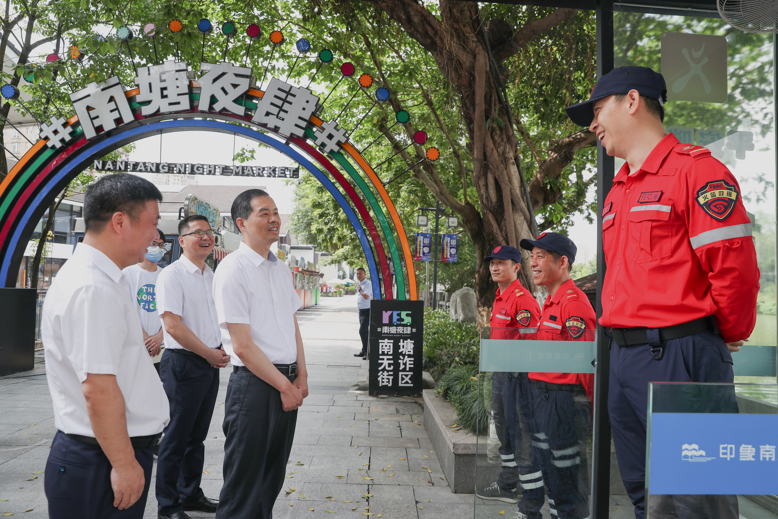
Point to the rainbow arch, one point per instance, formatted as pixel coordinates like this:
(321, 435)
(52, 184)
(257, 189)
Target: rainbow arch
(42, 173)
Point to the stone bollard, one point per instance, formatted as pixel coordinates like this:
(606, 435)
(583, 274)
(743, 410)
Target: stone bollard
(466, 305)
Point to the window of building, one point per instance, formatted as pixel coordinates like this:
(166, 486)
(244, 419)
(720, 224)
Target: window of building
(15, 147)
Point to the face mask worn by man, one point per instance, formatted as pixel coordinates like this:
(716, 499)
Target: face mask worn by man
(154, 254)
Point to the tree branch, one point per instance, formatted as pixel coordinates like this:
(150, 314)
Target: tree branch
(558, 158)
(531, 31)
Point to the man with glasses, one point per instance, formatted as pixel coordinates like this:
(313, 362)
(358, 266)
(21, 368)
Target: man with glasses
(142, 280)
(189, 370)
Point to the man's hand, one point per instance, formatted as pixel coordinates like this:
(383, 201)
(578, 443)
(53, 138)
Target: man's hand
(127, 484)
(735, 346)
(301, 383)
(291, 397)
(217, 358)
(153, 344)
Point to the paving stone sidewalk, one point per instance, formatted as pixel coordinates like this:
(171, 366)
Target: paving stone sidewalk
(353, 454)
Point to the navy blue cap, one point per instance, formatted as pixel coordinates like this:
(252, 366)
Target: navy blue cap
(505, 252)
(620, 81)
(554, 242)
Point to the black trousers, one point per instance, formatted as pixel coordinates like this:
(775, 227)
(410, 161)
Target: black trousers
(78, 481)
(191, 385)
(364, 322)
(259, 435)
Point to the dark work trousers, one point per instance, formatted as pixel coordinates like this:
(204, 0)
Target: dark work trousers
(364, 322)
(510, 408)
(702, 357)
(259, 435)
(561, 421)
(191, 385)
(78, 481)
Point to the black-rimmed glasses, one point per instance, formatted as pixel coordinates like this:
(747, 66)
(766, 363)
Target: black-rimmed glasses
(200, 234)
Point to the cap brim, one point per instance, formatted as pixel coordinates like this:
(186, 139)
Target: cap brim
(581, 114)
(528, 244)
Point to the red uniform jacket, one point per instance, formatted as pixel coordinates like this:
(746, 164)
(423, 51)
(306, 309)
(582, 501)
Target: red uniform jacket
(515, 308)
(678, 245)
(568, 316)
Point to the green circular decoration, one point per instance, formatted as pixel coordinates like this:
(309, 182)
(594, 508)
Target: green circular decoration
(403, 117)
(29, 76)
(124, 33)
(325, 56)
(228, 29)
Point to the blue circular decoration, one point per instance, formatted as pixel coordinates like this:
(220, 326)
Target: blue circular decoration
(303, 45)
(382, 94)
(204, 25)
(124, 33)
(9, 91)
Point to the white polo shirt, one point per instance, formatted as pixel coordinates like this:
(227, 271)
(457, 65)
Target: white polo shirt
(90, 325)
(183, 289)
(252, 290)
(367, 288)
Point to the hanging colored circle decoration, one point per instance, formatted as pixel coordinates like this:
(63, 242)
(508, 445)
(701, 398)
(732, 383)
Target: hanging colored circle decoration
(325, 56)
(382, 94)
(228, 29)
(9, 91)
(99, 38)
(124, 33)
(433, 154)
(175, 26)
(150, 30)
(276, 38)
(51, 58)
(303, 45)
(204, 26)
(253, 31)
(75, 53)
(29, 75)
(347, 69)
(420, 137)
(403, 117)
(365, 80)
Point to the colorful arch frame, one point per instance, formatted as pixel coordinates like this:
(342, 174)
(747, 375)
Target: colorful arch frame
(42, 172)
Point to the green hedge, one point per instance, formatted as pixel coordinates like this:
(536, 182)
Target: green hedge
(448, 343)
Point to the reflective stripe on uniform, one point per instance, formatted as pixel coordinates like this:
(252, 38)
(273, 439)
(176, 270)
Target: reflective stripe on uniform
(566, 452)
(529, 477)
(506, 456)
(552, 325)
(652, 207)
(609, 217)
(531, 486)
(566, 463)
(540, 445)
(503, 317)
(509, 464)
(528, 330)
(721, 234)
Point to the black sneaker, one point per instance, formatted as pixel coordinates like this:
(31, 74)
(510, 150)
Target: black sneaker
(494, 492)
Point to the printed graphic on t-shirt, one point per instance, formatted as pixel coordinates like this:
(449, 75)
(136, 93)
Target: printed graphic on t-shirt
(147, 298)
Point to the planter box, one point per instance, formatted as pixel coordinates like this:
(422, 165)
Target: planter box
(455, 450)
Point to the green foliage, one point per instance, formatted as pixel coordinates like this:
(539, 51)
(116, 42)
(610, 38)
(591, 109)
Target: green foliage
(459, 386)
(581, 270)
(448, 343)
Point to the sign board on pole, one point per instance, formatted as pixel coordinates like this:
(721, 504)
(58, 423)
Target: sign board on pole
(395, 341)
(448, 252)
(423, 246)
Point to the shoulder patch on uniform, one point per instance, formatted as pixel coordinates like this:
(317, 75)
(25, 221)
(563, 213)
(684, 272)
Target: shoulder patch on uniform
(647, 197)
(571, 291)
(718, 198)
(576, 326)
(524, 317)
(607, 208)
(519, 293)
(692, 150)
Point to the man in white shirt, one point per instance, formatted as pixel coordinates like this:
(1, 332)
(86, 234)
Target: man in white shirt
(364, 295)
(256, 303)
(189, 370)
(142, 281)
(109, 405)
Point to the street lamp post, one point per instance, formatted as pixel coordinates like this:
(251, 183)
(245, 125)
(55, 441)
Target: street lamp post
(422, 221)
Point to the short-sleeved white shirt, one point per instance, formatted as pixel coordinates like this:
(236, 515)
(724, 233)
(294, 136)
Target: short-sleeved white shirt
(90, 325)
(186, 291)
(367, 288)
(252, 290)
(143, 291)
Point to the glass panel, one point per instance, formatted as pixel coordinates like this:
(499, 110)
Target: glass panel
(711, 451)
(534, 437)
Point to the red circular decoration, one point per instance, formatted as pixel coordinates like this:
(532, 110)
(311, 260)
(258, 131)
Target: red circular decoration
(347, 69)
(51, 58)
(420, 137)
(253, 31)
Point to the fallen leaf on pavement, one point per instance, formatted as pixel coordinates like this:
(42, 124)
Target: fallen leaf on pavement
(206, 472)
(390, 475)
(365, 477)
(311, 509)
(502, 512)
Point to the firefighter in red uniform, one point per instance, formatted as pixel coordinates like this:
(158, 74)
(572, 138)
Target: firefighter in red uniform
(559, 405)
(515, 315)
(682, 280)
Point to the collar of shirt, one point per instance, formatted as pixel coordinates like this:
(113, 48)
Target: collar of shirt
(516, 285)
(191, 267)
(562, 290)
(99, 258)
(254, 257)
(654, 160)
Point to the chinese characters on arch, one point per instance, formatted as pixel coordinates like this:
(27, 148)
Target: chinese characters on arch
(396, 353)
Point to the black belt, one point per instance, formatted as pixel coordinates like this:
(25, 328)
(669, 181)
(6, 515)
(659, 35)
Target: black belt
(138, 442)
(636, 336)
(289, 370)
(550, 386)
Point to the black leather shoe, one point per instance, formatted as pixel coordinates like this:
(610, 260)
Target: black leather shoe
(203, 504)
(359, 355)
(177, 515)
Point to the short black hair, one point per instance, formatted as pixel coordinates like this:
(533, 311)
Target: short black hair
(161, 234)
(363, 270)
(557, 256)
(241, 206)
(653, 106)
(117, 193)
(183, 225)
